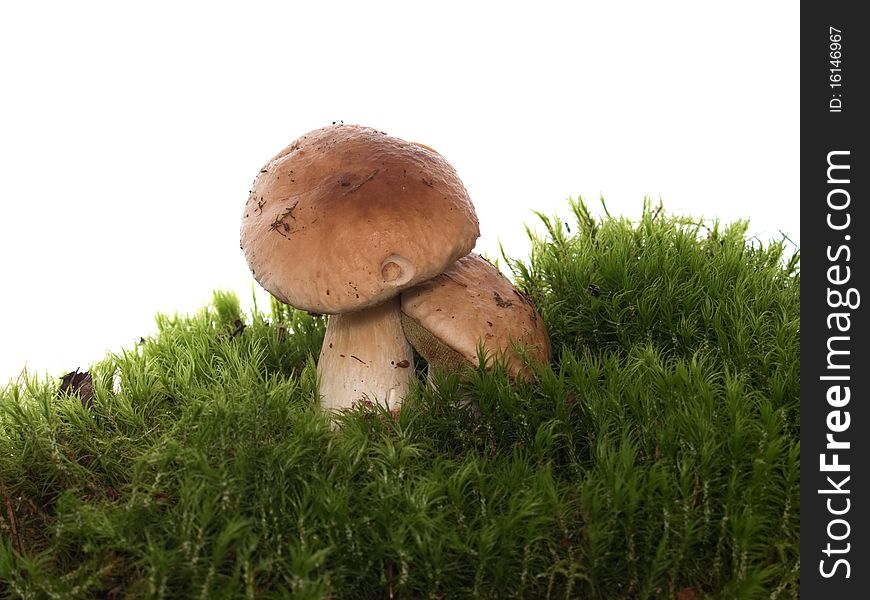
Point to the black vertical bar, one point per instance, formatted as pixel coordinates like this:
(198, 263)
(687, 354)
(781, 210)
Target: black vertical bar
(835, 561)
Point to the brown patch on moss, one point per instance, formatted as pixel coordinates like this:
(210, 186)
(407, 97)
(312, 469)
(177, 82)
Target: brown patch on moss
(78, 383)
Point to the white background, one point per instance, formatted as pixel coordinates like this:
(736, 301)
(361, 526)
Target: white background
(130, 132)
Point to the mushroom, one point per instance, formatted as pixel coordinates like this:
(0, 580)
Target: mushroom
(341, 222)
(472, 303)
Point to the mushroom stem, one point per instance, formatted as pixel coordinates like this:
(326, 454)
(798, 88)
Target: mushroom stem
(365, 357)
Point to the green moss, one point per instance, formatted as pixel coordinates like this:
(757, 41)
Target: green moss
(659, 451)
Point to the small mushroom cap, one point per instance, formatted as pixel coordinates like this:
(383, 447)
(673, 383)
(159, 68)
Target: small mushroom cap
(447, 317)
(347, 217)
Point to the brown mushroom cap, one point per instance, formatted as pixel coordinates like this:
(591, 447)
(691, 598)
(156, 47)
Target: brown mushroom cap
(347, 217)
(447, 317)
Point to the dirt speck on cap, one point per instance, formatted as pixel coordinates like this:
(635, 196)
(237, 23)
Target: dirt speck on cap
(501, 302)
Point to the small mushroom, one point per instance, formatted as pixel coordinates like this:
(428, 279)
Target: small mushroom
(472, 303)
(341, 222)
